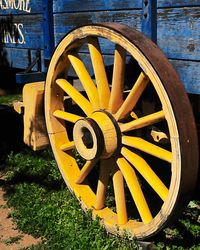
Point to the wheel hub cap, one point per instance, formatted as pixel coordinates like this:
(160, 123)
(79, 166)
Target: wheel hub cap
(97, 136)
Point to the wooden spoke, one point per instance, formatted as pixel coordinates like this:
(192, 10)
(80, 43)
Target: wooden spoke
(102, 184)
(143, 121)
(132, 97)
(85, 79)
(100, 72)
(120, 200)
(67, 146)
(135, 189)
(85, 171)
(78, 98)
(147, 147)
(69, 117)
(144, 169)
(116, 97)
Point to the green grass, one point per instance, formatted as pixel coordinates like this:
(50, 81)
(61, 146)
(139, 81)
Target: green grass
(45, 208)
(9, 99)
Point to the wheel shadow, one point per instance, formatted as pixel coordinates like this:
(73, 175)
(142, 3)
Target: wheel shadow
(11, 132)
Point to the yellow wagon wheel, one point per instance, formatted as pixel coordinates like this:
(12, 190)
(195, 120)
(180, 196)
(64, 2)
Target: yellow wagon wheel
(126, 146)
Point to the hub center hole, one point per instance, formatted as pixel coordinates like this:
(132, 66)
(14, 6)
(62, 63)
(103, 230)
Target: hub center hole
(87, 138)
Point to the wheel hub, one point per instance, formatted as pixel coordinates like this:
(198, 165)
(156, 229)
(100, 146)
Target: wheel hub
(97, 136)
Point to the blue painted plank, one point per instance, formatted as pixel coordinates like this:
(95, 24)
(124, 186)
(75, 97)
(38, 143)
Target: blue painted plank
(20, 7)
(91, 5)
(178, 28)
(67, 21)
(30, 6)
(178, 3)
(189, 73)
(178, 32)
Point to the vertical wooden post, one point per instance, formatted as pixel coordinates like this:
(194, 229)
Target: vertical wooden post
(149, 19)
(48, 31)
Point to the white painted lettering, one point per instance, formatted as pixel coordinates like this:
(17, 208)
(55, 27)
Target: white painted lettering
(6, 4)
(11, 4)
(23, 5)
(15, 36)
(28, 8)
(21, 39)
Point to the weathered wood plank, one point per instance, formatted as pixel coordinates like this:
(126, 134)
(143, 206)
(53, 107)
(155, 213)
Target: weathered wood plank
(177, 3)
(91, 5)
(189, 73)
(67, 21)
(21, 7)
(178, 28)
(30, 6)
(178, 32)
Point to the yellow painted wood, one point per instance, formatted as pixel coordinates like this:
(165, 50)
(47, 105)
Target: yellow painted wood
(102, 184)
(159, 136)
(120, 199)
(35, 134)
(143, 121)
(135, 189)
(116, 97)
(85, 79)
(147, 147)
(132, 97)
(69, 117)
(80, 128)
(100, 73)
(78, 98)
(18, 107)
(145, 170)
(67, 146)
(109, 133)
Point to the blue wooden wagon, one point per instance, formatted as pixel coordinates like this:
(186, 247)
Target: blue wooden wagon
(117, 114)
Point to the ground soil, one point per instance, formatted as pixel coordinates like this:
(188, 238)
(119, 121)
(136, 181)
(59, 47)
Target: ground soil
(8, 230)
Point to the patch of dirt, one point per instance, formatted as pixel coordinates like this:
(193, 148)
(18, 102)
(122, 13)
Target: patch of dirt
(10, 237)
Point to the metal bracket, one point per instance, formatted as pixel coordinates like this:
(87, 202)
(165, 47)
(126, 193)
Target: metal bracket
(149, 19)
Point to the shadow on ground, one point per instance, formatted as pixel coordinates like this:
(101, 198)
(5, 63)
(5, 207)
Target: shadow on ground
(11, 132)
